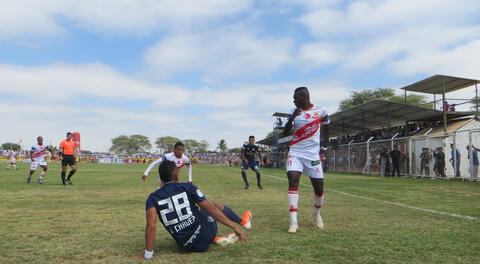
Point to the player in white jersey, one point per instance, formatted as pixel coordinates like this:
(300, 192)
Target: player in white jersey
(306, 120)
(176, 156)
(13, 160)
(37, 155)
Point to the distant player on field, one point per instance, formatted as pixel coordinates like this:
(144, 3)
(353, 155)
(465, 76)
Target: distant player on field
(37, 156)
(176, 156)
(194, 229)
(306, 120)
(13, 159)
(67, 148)
(247, 153)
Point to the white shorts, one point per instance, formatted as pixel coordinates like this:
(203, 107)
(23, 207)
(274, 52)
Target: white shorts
(313, 168)
(13, 160)
(35, 164)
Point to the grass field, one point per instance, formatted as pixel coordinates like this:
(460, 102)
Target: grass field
(101, 219)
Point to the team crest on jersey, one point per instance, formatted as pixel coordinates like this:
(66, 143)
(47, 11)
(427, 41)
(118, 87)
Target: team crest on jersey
(307, 116)
(199, 193)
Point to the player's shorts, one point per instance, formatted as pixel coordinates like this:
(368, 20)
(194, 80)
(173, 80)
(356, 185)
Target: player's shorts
(313, 168)
(34, 165)
(13, 161)
(68, 160)
(207, 233)
(251, 164)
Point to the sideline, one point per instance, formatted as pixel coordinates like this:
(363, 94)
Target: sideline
(388, 202)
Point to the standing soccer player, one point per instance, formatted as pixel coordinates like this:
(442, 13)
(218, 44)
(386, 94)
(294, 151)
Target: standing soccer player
(306, 120)
(37, 156)
(193, 228)
(176, 156)
(67, 147)
(247, 154)
(13, 160)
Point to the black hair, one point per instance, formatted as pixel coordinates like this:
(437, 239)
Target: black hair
(301, 89)
(251, 137)
(167, 170)
(69, 133)
(178, 144)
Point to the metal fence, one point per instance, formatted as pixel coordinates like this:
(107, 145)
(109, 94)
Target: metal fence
(420, 156)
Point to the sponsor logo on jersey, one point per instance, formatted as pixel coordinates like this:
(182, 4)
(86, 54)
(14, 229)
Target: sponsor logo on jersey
(199, 193)
(306, 131)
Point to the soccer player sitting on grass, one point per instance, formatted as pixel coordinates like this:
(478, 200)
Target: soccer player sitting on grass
(193, 229)
(177, 157)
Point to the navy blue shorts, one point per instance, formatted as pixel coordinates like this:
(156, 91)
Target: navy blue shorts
(207, 234)
(252, 165)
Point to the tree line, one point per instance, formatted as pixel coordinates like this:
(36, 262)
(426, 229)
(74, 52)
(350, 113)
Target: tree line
(139, 144)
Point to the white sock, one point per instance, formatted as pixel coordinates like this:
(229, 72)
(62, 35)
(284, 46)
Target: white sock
(317, 203)
(293, 203)
(42, 174)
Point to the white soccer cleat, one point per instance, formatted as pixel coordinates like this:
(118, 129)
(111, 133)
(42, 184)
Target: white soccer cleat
(292, 229)
(318, 220)
(226, 240)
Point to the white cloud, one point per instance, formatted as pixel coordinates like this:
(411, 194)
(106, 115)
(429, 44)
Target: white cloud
(390, 33)
(66, 81)
(48, 17)
(219, 54)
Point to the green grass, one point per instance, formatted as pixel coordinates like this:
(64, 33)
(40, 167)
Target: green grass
(101, 219)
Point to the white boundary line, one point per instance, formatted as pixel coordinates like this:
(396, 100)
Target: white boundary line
(391, 203)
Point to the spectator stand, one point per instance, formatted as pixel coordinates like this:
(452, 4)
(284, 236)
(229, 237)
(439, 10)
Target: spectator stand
(360, 133)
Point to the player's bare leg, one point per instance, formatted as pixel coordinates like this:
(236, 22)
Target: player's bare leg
(317, 201)
(293, 181)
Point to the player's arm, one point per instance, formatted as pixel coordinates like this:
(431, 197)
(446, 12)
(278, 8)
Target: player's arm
(189, 171)
(216, 213)
(289, 125)
(51, 151)
(150, 167)
(150, 232)
(31, 156)
(260, 157)
(242, 155)
(60, 151)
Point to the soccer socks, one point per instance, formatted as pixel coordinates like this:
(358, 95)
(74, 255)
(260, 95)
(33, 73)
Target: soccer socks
(317, 202)
(71, 174)
(63, 177)
(258, 178)
(293, 203)
(244, 176)
(42, 174)
(231, 215)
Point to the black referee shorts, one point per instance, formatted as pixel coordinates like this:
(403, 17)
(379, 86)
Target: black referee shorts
(68, 160)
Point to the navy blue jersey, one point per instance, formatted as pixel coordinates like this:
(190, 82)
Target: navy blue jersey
(176, 207)
(249, 151)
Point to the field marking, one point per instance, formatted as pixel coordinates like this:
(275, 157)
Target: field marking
(388, 202)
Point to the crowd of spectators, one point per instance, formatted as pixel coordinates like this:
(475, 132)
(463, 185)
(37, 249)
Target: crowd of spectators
(381, 134)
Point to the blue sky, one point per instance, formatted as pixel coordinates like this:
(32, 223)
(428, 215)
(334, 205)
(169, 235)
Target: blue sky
(213, 69)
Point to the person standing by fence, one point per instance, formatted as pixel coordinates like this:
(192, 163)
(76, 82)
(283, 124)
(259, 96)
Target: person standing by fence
(395, 156)
(474, 163)
(439, 166)
(455, 160)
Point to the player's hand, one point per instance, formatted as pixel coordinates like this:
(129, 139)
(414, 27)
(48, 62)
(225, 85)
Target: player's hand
(144, 177)
(240, 234)
(245, 160)
(296, 113)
